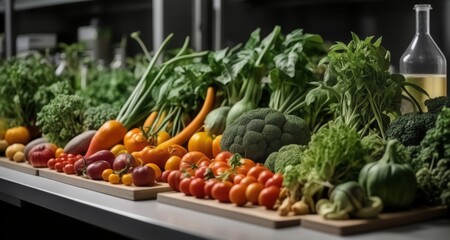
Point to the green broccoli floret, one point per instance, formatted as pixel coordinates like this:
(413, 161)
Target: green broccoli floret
(94, 117)
(432, 163)
(62, 118)
(374, 145)
(259, 132)
(435, 105)
(287, 155)
(410, 128)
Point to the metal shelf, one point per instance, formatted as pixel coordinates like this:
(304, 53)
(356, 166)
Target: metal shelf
(30, 4)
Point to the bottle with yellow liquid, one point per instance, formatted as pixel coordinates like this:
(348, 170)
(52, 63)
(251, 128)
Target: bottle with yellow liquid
(423, 63)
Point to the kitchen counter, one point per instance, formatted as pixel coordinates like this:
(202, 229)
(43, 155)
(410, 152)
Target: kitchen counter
(150, 218)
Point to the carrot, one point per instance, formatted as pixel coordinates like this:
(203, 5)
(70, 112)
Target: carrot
(108, 135)
(150, 120)
(182, 137)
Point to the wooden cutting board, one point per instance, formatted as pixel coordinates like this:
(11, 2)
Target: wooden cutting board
(119, 190)
(252, 214)
(383, 221)
(19, 166)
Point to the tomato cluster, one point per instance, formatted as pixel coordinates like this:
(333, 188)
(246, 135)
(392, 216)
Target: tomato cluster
(64, 162)
(226, 178)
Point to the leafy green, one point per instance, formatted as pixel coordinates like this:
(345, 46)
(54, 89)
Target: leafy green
(23, 80)
(358, 75)
(94, 117)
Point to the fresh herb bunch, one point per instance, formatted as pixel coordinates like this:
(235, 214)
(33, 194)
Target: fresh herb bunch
(24, 90)
(367, 93)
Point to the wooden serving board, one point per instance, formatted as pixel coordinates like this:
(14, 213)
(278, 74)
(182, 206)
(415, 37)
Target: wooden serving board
(252, 214)
(119, 190)
(383, 221)
(19, 166)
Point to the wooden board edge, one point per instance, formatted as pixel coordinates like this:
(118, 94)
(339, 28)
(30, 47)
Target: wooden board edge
(126, 192)
(222, 209)
(385, 221)
(24, 167)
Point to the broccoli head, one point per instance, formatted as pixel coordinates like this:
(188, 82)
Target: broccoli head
(94, 117)
(410, 128)
(287, 155)
(259, 132)
(62, 118)
(435, 105)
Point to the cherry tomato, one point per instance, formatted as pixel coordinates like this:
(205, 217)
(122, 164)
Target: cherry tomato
(252, 192)
(69, 169)
(237, 194)
(256, 170)
(264, 176)
(215, 165)
(223, 156)
(106, 173)
(248, 179)
(245, 165)
(238, 178)
(209, 184)
(127, 179)
(174, 179)
(51, 163)
(114, 178)
(276, 180)
(165, 175)
(197, 187)
(268, 197)
(184, 186)
(221, 191)
(200, 172)
(59, 166)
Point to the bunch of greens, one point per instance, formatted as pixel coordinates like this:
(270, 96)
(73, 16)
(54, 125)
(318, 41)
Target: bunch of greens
(95, 116)
(27, 83)
(334, 155)
(368, 95)
(295, 67)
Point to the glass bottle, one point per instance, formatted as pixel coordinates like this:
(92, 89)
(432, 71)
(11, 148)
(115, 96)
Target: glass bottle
(423, 63)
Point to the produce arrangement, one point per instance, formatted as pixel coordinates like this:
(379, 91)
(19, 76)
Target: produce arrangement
(284, 121)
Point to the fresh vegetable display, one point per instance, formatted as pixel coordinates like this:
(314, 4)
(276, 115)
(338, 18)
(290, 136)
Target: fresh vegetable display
(282, 122)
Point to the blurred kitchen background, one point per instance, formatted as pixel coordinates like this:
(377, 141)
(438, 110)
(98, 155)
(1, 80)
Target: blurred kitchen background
(211, 24)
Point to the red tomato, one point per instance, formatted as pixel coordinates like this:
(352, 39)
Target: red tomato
(215, 165)
(223, 156)
(51, 163)
(174, 179)
(276, 180)
(238, 178)
(256, 170)
(59, 167)
(69, 169)
(208, 187)
(165, 175)
(252, 192)
(197, 187)
(269, 196)
(245, 165)
(221, 191)
(237, 194)
(190, 160)
(248, 179)
(184, 186)
(264, 176)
